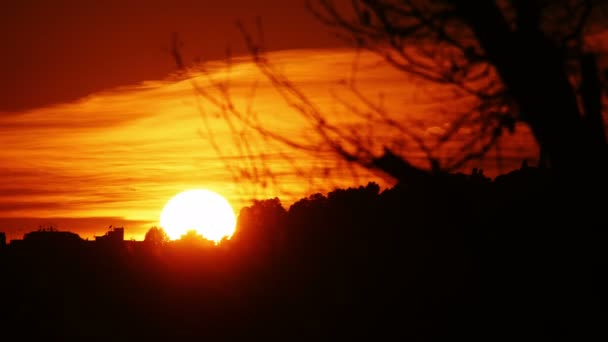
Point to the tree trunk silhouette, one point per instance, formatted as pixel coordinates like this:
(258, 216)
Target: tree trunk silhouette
(535, 74)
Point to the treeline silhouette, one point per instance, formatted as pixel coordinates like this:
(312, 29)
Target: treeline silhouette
(457, 256)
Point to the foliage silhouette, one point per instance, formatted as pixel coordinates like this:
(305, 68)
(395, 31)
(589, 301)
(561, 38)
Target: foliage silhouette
(460, 256)
(156, 236)
(517, 62)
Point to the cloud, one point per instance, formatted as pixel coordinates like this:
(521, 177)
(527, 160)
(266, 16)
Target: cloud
(124, 152)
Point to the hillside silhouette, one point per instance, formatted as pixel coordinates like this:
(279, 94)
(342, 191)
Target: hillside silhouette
(455, 256)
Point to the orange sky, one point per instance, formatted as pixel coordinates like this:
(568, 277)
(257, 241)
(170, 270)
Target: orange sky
(96, 132)
(116, 156)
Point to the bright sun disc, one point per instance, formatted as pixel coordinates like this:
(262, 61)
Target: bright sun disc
(205, 211)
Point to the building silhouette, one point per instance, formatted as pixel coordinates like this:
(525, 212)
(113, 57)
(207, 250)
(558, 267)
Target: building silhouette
(114, 236)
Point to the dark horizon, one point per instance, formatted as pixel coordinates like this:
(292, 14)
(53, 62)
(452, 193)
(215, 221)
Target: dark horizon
(443, 258)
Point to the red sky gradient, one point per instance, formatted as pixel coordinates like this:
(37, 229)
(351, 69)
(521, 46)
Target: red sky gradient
(94, 130)
(57, 51)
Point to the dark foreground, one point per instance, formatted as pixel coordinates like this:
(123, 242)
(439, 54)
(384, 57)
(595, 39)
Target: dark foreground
(461, 257)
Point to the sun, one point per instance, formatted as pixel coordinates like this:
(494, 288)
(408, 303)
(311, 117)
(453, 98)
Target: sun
(205, 211)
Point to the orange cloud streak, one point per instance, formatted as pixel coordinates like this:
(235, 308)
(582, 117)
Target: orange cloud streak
(124, 152)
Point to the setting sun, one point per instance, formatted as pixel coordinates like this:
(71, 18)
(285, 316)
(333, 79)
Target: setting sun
(204, 211)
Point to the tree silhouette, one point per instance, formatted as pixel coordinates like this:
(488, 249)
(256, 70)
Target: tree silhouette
(260, 226)
(156, 236)
(527, 62)
(194, 238)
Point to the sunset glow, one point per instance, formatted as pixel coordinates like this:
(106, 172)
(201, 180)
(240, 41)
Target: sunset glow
(204, 211)
(422, 170)
(126, 150)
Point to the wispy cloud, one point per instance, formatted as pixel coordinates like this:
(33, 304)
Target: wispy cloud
(124, 152)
